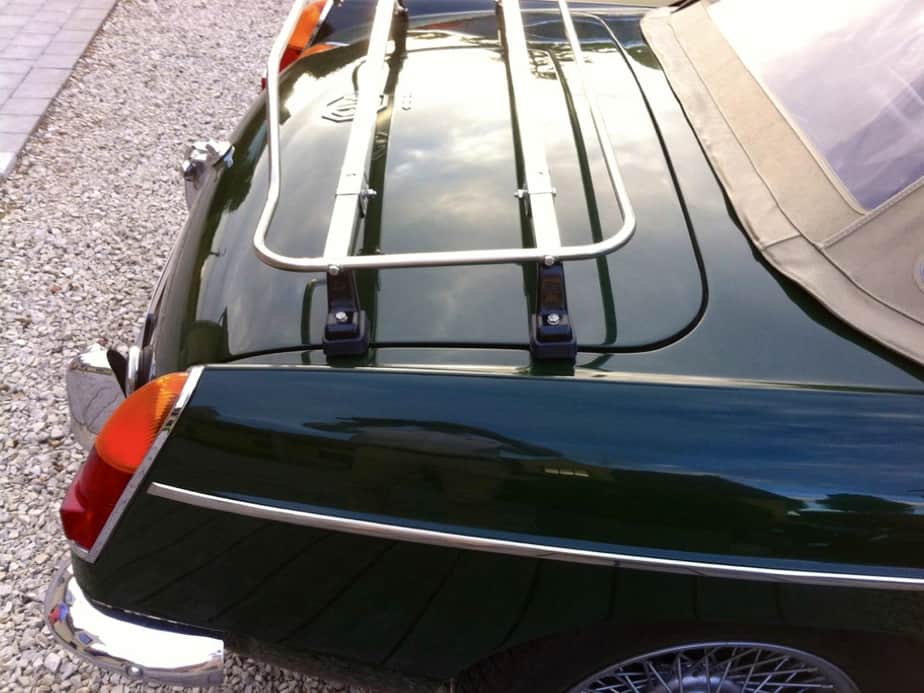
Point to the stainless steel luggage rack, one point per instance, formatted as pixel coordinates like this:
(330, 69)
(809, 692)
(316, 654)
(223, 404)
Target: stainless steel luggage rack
(346, 330)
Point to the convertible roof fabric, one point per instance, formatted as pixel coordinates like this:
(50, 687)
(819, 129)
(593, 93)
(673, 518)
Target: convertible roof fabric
(822, 163)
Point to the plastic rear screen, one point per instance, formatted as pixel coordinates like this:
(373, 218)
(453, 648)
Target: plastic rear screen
(849, 74)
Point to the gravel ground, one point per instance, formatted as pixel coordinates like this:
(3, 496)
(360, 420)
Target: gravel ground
(86, 222)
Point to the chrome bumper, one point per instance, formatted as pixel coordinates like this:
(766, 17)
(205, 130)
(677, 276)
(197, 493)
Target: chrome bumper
(147, 653)
(93, 393)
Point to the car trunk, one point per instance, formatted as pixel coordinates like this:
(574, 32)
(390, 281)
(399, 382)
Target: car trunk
(445, 167)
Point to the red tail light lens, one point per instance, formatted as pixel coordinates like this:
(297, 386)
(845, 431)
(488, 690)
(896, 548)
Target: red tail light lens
(302, 34)
(90, 499)
(119, 450)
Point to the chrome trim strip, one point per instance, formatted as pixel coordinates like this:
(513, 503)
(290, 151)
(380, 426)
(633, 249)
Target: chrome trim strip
(539, 191)
(140, 652)
(336, 251)
(580, 373)
(529, 550)
(352, 187)
(272, 130)
(192, 380)
(596, 114)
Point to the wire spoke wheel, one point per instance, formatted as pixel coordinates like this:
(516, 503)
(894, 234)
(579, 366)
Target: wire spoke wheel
(721, 668)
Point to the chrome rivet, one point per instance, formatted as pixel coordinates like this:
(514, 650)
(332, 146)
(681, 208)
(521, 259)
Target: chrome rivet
(134, 671)
(333, 270)
(341, 316)
(553, 319)
(548, 260)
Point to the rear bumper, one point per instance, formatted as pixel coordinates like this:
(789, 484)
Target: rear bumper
(141, 652)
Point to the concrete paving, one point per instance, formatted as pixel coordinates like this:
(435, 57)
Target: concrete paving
(40, 42)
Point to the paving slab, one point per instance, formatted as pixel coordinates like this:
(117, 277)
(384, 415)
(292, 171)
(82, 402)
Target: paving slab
(40, 42)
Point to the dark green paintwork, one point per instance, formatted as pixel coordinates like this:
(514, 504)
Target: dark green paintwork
(776, 476)
(221, 302)
(728, 467)
(422, 610)
(445, 170)
(755, 475)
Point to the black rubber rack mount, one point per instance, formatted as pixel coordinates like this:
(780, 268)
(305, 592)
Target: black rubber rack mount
(552, 335)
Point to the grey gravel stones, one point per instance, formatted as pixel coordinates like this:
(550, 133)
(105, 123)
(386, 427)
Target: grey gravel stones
(40, 41)
(86, 221)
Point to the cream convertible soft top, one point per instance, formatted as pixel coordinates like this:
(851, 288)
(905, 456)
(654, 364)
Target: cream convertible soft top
(813, 117)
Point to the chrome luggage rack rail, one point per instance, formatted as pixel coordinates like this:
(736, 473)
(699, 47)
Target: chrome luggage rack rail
(346, 330)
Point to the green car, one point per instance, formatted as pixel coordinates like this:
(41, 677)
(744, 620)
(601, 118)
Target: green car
(531, 346)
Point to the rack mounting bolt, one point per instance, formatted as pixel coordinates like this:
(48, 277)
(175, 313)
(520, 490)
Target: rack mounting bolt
(333, 270)
(548, 260)
(553, 319)
(341, 316)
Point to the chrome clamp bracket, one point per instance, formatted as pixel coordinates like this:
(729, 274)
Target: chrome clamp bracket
(202, 157)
